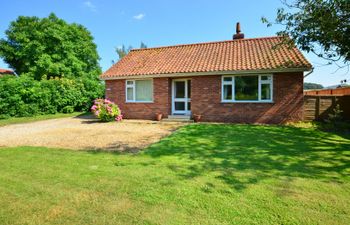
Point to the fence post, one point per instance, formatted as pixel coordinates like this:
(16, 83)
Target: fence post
(317, 111)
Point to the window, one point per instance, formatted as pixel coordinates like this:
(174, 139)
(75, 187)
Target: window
(247, 88)
(139, 90)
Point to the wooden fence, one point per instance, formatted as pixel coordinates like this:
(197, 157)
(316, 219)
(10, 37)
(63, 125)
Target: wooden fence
(318, 107)
(333, 92)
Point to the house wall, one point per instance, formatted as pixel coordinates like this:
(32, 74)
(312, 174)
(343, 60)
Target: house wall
(206, 100)
(287, 101)
(115, 91)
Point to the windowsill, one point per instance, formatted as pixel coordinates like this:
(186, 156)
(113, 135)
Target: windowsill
(139, 101)
(247, 102)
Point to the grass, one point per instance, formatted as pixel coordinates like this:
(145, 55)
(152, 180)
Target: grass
(201, 174)
(16, 120)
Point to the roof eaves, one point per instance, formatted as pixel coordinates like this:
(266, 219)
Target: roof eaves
(187, 74)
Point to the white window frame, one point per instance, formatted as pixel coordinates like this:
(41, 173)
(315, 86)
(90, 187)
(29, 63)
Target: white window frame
(260, 82)
(133, 86)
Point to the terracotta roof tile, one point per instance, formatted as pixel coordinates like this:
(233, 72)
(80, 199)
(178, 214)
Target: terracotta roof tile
(231, 55)
(3, 71)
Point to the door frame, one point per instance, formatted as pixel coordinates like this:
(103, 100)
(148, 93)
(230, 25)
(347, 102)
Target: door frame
(186, 100)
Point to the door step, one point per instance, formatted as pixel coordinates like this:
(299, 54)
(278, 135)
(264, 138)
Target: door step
(178, 118)
(186, 117)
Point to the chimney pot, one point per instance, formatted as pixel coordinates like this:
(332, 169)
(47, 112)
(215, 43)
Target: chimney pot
(238, 28)
(238, 34)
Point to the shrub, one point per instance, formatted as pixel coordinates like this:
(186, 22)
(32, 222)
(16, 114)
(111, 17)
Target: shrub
(106, 110)
(24, 96)
(68, 109)
(335, 116)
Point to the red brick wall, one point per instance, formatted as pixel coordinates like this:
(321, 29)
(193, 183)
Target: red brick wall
(206, 100)
(115, 91)
(287, 105)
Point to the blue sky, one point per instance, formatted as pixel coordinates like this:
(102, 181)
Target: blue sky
(160, 23)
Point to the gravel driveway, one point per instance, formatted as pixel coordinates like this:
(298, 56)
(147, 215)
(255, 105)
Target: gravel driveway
(86, 133)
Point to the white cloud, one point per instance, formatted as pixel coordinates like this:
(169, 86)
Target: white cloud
(90, 6)
(139, 16)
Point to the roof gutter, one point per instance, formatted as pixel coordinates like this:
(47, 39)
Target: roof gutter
(312, 70)
(233, 72)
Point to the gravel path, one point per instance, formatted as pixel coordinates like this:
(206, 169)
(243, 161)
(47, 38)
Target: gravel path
(86, 133)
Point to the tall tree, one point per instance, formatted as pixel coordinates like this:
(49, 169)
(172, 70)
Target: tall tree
(318, 26)
(123, 51)
(49, 47)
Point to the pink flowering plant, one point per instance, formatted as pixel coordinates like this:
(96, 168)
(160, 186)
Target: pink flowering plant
(106, 110)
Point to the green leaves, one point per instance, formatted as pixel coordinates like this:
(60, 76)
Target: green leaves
(49, 47)
(318, 26)
(25, 96)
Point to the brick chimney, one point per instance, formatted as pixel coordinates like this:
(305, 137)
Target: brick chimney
(238, 34)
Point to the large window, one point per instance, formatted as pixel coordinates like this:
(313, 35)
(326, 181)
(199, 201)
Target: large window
(247, 88)
(139, 91)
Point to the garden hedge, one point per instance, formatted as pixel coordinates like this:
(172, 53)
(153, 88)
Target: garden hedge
(24, 96)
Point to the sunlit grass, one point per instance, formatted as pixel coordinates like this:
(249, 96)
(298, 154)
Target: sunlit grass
(202, 174)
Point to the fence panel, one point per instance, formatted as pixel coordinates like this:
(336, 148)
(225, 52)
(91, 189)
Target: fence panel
(318, 107)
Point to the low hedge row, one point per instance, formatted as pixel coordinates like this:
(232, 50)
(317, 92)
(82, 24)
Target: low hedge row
(24, 96)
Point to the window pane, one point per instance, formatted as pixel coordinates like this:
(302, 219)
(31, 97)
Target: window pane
(265, 92)
(227, 78)
(188, 105)
(130, 82)
(246, 88)
(129, 94)
(227, 92)
(180, 106)
(189, 89)
(179, 89)
(144, 90)
(266, 78)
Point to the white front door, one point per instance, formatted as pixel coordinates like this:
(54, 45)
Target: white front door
(181, 97)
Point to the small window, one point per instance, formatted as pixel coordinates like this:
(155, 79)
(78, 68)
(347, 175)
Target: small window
(265, 92)
(130, 94)
(139, 90)
(227, 92)
(265, 77)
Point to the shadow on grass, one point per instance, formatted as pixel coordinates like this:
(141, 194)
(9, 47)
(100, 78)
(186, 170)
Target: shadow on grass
(241, 155)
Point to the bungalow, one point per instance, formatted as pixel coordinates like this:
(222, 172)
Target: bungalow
(255, 80)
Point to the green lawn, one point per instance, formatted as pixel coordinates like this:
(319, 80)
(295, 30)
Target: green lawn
(15, 120)
(202, 174)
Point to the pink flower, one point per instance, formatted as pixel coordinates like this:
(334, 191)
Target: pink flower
(106, 101)
(94, 107)
(119, 118)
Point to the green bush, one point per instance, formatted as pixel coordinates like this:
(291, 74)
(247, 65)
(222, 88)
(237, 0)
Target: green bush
(24, 96)
(68, 109)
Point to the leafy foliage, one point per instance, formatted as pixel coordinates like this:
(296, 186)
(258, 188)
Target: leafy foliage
(318, 26)
(123, 51)
(24, 96)
(50, 47)
(106, 110)
(58, 67)
(309, 86)
(335, 116)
